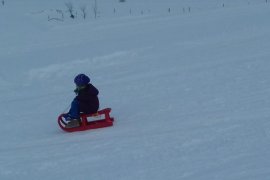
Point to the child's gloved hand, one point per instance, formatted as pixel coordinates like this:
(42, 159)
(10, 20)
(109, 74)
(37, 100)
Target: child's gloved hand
(76, 90)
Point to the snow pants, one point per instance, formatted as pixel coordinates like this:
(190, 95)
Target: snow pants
(74, 111)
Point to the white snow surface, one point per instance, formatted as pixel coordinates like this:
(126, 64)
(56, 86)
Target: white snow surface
(189, 91)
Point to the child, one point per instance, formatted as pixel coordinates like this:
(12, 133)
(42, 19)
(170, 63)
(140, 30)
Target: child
(86, 101)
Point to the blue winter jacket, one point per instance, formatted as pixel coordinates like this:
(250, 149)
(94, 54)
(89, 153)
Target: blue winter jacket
(88, 99)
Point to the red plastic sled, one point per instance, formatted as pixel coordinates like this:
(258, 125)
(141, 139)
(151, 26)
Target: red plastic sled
(86, 125)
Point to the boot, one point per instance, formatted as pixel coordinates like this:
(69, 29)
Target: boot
(73, 123)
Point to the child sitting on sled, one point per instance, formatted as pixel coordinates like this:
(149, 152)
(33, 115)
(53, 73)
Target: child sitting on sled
(86, 101)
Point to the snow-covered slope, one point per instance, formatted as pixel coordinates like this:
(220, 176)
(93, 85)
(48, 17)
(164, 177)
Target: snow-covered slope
(189, 92)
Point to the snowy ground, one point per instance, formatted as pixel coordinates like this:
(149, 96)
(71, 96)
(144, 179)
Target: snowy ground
(190, 92)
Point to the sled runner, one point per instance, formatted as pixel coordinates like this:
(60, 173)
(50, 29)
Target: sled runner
(86, 124)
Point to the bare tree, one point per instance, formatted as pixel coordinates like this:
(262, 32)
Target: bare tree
(70, 9)
(95, 8)
(60, 12)
(83, 9)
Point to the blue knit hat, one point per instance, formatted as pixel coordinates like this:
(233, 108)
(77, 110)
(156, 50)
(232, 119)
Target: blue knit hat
(81, 80)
